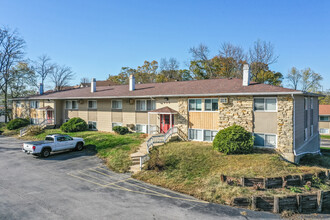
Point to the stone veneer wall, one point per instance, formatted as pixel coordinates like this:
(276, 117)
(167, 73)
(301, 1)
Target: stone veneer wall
(238, 110)
(183, 116)
(285, 127)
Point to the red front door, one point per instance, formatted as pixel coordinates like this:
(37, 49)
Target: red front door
(49, 117)
(165, 123)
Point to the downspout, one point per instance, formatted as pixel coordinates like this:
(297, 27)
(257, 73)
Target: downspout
(294, 125)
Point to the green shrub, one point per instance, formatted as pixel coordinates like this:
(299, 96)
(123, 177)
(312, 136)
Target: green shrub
(74, 125)
(17, 123)
(120, 130)
(233, 140)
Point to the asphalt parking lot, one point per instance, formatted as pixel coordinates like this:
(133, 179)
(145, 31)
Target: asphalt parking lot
(77, 185)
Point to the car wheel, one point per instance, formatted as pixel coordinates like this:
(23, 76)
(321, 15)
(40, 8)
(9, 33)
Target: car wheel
(79, 146)
(45, 152)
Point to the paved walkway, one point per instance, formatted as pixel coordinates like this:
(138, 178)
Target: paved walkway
(77, 185)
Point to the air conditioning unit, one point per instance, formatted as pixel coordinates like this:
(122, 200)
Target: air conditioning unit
(224, 100)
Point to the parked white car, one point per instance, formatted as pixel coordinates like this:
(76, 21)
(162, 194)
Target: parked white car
(52, 143)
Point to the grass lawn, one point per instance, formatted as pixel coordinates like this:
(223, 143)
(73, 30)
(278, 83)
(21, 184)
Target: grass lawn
(325, 136)
(195, 168)
(113, 148)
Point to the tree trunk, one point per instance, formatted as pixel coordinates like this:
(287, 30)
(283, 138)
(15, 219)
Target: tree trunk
(6, 102)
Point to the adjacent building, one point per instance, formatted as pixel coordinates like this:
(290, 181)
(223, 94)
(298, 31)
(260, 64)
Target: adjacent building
(279, 118)
(324, 120)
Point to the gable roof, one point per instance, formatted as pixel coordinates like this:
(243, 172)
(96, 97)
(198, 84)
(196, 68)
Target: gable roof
(324, 109)
(210, 87)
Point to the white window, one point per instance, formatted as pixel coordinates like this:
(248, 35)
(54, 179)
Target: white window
(92, 104)
(209, 135)
(211, 104)
(265, 140)
(202, 135)
(265, 104)
(114, 124)
(324, 118)
(324, 130)
(74, 105)
(92, 125)
(195, 104)
(141, 128)
(145, 105)
(34, 104)
(116, 104)
(71, 104)
(196, 134)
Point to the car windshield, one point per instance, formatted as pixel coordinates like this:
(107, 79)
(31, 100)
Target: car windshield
(49, 139)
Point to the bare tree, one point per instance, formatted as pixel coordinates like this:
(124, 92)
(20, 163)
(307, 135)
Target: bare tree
(261, 55)
(84, 80)
(227, 50)
(294, 78)
(11, 52)
(61, 76)
(311, 81)
(43, 68)
(201, 54)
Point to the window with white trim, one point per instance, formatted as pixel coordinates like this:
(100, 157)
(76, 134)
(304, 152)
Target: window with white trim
(265, 104)
(324, 130)
(92, 104)
(324, 118)
(34, 121)
(92, 125)
(195, 104)
(145, 105)
(34, 104)
(211, 104)
(202, 135)
(117, 104)
(71, 104)
(114, 124)
(141, 128)
(264, 140)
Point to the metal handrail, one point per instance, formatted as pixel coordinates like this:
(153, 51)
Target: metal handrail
(161, 138)
(43, 124)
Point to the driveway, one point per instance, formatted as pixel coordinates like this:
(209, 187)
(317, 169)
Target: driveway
(77, 185)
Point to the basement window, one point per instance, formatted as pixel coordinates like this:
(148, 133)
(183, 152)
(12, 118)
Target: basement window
(141, 128)
(114, 124)
(265, 140)
(324, 130)
(92, 125)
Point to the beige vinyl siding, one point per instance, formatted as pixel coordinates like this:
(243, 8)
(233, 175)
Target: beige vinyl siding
(171, 102)
(128, 113)
(83, 109)
(265, 122)
(324, 124)
(204, 120)
(59, 112)
(104, 115)
(116, 116)
(92, 115)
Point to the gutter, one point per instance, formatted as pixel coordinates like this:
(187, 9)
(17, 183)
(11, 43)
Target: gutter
(294, 124)
(156, 96)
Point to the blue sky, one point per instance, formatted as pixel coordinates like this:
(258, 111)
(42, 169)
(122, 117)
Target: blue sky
(97, 38)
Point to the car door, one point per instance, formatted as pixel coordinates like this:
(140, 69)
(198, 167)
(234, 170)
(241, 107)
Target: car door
(69, 142)
(60, 143)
